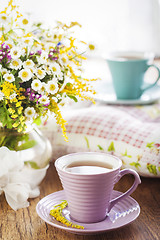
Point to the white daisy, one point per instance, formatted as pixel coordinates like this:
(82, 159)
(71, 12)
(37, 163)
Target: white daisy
(55, 68)
(36, 85)
(28, 64)
(47, 69)
(60, 76)
(4, 18)
(28, 41)
(29, 112)
(44, 100)
(4, 71)
(40, 73)
(15, 52)
(55, 99)
(9, 77)
(13, 95)
(52, 87)
(15, 64)
(63, 59)
(43, 58)
(1, 95)
(25, 74)
(42, 88)
(10, 43)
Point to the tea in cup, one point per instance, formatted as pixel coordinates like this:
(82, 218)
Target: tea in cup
(88, 179)
(128, 70)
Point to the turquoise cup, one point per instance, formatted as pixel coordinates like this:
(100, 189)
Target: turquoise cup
(128, 70)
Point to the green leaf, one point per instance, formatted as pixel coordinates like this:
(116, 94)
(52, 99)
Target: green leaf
(126, 155)
(152, 169)
(111, 147)
(159, 169)
(38, 121)
(73, 97)
(135, 164)
(87, 142)
(32, 164)
(100, 148)
(150, 145)
(26, 145)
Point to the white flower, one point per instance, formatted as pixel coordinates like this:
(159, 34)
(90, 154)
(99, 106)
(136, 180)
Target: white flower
(43, 57)
(25, 74)
(55, 99)
(40, 73)
(28, 41)
(23, 21)
(63, 59)
(4, 71)
(4, 18)
(52, 87)
(15, 64)
(36, 84)
(28, 64)
(9, 77)
(55, 68)
(60, 76)
(10, 43)
(42, 88)
(44, 100)
(13, 95)
(29, 112)
(1, 95)
(15, 52)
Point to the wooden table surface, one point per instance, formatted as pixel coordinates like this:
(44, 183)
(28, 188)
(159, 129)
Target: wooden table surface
(26, 224)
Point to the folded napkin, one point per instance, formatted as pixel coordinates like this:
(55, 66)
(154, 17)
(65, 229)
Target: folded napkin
(129, 132)
(17, 181)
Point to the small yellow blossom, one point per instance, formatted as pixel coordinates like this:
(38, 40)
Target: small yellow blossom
(15, 124)
(11, 110)
(20, 110)
(14, 116)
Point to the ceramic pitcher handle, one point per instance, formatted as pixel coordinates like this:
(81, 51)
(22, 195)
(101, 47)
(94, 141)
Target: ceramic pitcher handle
(130, 191)
(152, 85)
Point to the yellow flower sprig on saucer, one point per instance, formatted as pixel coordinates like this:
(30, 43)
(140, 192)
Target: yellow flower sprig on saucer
(56, 212)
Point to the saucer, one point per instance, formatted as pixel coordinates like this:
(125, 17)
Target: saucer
(106, 94)
(123, 213)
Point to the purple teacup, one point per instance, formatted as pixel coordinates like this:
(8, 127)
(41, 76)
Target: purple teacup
(88, 179)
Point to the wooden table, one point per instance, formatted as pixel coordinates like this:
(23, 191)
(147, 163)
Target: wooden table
(26, 224)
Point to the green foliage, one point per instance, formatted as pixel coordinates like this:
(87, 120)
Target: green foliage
(111, 147)
(136, 164)
(150, 145)
(73, 97)
(100, 148)
(4, 118)
(87, 142)
(15, 141)
(32, 164)
(126, 155)
(152, 169)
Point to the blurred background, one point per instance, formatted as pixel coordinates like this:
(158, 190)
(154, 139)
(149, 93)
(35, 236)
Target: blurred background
(110, 24)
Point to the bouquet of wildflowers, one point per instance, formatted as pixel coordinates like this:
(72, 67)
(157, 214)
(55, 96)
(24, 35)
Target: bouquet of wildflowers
(39, 69)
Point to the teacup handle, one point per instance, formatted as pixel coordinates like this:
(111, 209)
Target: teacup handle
(137, 181)
(152, 85)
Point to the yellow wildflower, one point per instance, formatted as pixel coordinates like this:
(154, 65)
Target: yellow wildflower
(11, 110)
(21, 118)
(15, 124)
(14, 116)
(20, 110)
(18, 104)
(57, 214)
